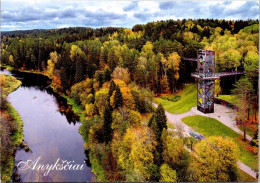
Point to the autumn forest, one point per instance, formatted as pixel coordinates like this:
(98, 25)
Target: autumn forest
(120, 82)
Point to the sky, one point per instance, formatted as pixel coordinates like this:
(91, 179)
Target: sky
(51, 14)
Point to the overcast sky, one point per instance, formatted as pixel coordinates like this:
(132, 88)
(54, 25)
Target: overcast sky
(45, 14)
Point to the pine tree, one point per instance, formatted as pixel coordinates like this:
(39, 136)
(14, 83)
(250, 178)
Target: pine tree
(79, 71)
(151, 121)
(160, 118)
(106, 75)
(64, 79)
(100, 78)
(156, 130)
(107, 124)
(112, 88)
(118, 98)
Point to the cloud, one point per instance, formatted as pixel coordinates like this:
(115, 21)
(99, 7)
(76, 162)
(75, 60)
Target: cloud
(51, 17)
(19, 14)
(131, 6)
(249, 9)
(167, 5)
(27, 14)
(142, 16)
(70, 12)
(227, 2)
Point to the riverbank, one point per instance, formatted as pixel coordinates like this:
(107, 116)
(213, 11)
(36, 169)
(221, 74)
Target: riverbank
(11, 127)
(80, 112)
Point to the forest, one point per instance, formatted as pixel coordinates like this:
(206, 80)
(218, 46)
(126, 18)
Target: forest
(112, 75)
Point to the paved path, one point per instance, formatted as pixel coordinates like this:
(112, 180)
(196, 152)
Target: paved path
(221, 113)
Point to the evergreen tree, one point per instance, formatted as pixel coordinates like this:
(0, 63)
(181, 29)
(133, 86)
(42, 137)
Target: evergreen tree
(156, 130)
(64, 79)
(118, 98)
(151, 121)
(106, 75)
(107, 124)
(157, 123)
(160, 118)
(100, 78)
(79, 70)
(112, 88)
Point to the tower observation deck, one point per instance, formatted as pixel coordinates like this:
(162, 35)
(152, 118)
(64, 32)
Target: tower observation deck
(206, 80)
(206, 77)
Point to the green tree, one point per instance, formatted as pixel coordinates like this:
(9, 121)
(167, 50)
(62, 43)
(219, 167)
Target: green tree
(79, 70)
(106, 74)
(230, 59)
(118, 98)
(243, 90)
(64, 79)
(136, 151)
(160, 118)
(101, 100)
(112, 88)
(175, 155)
(167, 174)
(107, 124)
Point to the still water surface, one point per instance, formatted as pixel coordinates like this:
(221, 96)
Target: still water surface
(50, 130)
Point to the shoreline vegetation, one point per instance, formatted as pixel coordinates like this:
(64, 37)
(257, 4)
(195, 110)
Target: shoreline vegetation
(76, 108)
(11, 127)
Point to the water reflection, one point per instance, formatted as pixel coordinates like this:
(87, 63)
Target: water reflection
(50, 130)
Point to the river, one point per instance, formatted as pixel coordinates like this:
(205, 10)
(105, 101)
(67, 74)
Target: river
(50, 130)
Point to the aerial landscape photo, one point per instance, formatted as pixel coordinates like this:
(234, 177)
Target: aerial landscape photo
(129, 91)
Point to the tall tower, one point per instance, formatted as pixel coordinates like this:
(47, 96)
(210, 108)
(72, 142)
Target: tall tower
(206, 80)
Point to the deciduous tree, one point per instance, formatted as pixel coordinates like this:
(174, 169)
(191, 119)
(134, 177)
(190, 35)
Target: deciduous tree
(218, 159)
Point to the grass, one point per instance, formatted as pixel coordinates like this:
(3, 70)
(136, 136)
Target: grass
(8, 85)
(77, 109)
(17, 136)
(169, 125)
(244, 177)
(212, 127)
(229, 98)
(187, 101)
(249, 130)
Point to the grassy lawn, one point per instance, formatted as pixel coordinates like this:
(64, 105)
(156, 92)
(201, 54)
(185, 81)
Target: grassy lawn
(244, 177)
(169, 125)
(212, 127)
(229, 98)
(249, 130)
(187, 101)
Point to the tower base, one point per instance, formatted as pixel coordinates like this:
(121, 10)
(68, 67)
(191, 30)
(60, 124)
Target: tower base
(205, 111)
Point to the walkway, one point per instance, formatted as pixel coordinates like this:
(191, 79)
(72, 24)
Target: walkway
(223, 114)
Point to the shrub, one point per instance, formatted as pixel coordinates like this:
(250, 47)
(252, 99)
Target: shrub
(175, 98)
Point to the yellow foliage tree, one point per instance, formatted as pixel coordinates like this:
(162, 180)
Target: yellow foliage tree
(218, 159)
(167, 174)
(90, 109)
(11, 59)
(54, 57)
(172, 150)
(128, 99)
(2, 80)
(136, 151)
(74, 52)
(101, 100)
